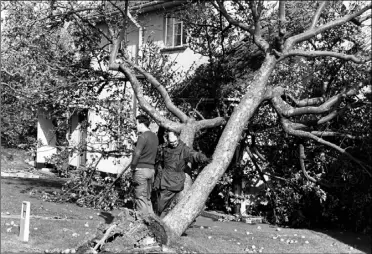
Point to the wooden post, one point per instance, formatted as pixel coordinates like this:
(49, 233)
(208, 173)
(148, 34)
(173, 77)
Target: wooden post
(25, 222)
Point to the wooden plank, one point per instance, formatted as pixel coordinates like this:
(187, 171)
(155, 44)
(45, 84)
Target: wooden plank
(24, 232)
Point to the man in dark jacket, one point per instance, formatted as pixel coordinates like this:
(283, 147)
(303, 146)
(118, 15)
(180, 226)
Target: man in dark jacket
(172, 163)
(142, 165)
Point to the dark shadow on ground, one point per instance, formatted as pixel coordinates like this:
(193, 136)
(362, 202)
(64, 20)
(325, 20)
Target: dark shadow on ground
(108, 217)
(35, 182)
(358, 241)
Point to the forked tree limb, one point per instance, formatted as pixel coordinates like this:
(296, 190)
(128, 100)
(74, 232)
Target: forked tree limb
(99, 30)
(257, 36)
(161, 120)
(293, 40)
(255, 30)
(163, 92)
(146, 106)
(284, 109)
(220, 7)
(288, 128)
(137, 88)
(287, 110)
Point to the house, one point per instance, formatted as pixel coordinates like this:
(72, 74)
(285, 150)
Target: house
(154, 22)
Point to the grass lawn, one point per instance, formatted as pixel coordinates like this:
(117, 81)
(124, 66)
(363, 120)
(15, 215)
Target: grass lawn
(236, 237)
(66, 226)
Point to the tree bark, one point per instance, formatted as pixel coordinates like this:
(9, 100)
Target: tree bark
(182, 215)
(187, 136)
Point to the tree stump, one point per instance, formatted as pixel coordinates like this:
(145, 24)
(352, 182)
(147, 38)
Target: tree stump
(125, 232)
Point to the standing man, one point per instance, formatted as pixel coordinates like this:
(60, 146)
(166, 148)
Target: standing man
(142, 165)
(173, 159)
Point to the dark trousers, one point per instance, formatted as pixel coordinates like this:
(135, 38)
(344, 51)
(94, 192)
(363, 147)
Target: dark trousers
(164, 200)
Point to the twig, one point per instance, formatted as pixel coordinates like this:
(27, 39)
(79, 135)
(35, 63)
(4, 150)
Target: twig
(104, 238)
(112, 184)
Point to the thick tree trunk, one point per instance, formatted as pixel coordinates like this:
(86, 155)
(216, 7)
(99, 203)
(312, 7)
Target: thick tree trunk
(187, 136)
(182, 215)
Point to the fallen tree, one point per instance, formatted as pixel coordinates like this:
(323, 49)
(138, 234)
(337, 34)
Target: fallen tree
(257, 90)
(290, 41)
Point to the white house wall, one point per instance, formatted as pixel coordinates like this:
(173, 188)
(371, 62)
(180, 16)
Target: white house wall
(99, 140)
(74, 139)
(46, 138)
(153, 28)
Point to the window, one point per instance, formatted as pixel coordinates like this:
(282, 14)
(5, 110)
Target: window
(175, 34)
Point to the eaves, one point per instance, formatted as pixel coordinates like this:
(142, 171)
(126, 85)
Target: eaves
(146, 7)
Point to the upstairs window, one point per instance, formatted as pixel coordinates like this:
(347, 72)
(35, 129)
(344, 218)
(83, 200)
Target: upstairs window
(175, 34)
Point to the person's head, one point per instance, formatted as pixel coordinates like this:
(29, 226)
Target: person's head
(143, 123)
(172, 139)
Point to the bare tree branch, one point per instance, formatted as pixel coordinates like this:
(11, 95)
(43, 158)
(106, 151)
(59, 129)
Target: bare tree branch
(302, 165)
(220, 7)
(198, 113)
(313, 32)
(331, 115)
(137, 88)
(359, 21)
(257, 36)
(307, 101)
(161, 89)
(287, 110)
(334, 134)
(210, 123)
(288, 127)
(258, 169)
(253, 8)
(120, 38)
(321, 7)
(92, 26)
(284, 109)
(322, 53)
(282, 21)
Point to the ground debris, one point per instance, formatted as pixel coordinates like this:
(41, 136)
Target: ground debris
(127, 233)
